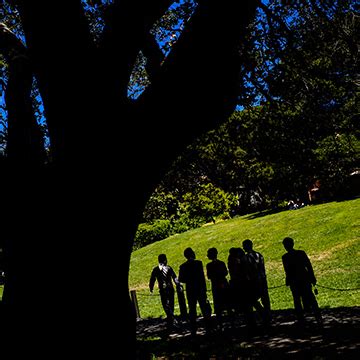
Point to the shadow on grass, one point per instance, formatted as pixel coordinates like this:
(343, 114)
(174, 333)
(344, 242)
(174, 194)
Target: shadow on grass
(337, 339)
(265, 213)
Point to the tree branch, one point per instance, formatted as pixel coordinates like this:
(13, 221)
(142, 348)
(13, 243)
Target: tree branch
(154, 56)
(62, 52)
(126, 30)
(198, 85)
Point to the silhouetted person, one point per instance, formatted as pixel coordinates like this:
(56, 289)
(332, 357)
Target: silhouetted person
(237, 271)
(216, 272)
(259, 280)
(165, 276)
(300, 277)
(242, 288)
(191, 273)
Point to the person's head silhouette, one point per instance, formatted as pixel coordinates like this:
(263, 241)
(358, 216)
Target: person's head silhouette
(247, 245)
(236, 252)
(189, 253)
(212, 253)
(232, 251)
(162, 259)
(288, 243)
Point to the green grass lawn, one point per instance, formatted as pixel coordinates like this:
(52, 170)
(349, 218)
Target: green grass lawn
(329, 233)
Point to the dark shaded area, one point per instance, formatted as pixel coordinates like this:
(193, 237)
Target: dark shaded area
(338, 339)
(264, 213)
(70, 224)
(278, 210)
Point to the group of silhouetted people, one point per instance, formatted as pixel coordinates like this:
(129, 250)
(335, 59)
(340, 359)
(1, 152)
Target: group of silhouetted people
(246, 291)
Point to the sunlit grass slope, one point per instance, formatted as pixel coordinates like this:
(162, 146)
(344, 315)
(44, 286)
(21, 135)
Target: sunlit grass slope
(329, 233)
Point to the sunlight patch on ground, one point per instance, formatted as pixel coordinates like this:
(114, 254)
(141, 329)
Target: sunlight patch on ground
(330, 252)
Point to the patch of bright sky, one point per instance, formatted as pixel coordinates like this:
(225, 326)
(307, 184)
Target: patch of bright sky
(91, 7)
(166, 38)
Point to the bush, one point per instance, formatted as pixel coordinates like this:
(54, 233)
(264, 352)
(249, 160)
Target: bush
(149, 233)
(206, 204)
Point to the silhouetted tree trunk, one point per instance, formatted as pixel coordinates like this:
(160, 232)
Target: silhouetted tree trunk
(25, 143)
(71, 225)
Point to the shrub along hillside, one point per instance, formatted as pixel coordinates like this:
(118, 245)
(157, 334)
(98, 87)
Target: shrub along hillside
(329, 233)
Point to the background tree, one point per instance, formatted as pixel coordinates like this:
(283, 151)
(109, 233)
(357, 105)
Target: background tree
(301, 95)
(309, 84)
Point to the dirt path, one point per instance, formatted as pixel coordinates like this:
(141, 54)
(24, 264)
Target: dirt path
(339, 338)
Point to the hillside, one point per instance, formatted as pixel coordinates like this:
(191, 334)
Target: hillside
(329, 233)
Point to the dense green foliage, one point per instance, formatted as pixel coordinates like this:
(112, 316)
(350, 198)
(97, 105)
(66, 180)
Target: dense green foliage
(328, 232)
(149, 233)
(166, 215)
(300, 121)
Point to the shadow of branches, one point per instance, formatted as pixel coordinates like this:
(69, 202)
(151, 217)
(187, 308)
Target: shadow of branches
(337, 339)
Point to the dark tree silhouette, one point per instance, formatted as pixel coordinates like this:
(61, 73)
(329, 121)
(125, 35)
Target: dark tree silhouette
(70, 224)
(24, 138)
